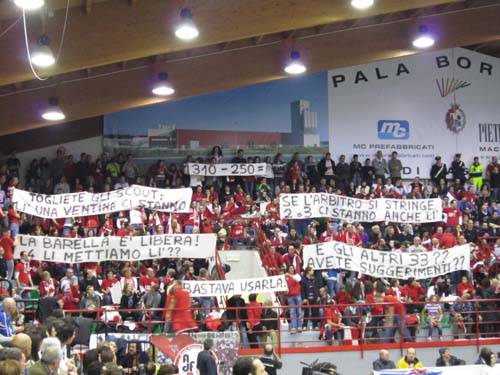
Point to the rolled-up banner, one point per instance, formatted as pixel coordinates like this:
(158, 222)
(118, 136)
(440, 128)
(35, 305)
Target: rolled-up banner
(100, 249)
(315, 205)
(386, 264)
(86, 204)
(219, 288)
(228, 169)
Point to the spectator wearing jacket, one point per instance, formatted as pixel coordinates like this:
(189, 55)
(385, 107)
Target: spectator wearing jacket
(379, 165)
(446, 359)
(395, 167)
(310, 297)
(410, 360)
(438, 171)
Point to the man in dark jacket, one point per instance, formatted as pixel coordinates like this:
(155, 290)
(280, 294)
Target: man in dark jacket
(205, 362)
(446, 359)
(438, 171)
(458, 169)
(383, 362)
(310, 297)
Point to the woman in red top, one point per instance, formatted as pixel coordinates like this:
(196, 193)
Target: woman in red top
(48, 285)
(71, 297)
(179, 311)
(254, 328)
(294, 299)
(14, 218)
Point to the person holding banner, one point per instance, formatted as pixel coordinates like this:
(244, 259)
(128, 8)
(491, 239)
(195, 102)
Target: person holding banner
(179, 311)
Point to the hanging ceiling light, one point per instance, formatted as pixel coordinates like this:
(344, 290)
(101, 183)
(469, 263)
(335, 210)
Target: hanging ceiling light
(295, 64)
(29, 4)
(42, 55)
(186, 29)
(361, 4)
(53, 112)
(163, 87)
(424, 39)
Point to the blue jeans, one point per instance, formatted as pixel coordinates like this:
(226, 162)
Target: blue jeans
(14, 229)
(10, 269)
(398, 325)
(333, 286)
(296, 316)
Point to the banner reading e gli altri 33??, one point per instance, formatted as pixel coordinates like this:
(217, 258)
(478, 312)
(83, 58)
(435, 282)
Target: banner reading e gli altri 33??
(422, 265)
(314, 205)
(429, 104)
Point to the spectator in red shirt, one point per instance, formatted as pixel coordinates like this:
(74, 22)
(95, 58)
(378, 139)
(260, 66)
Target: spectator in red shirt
(332, 323)
(7, 243)
(292, 258)
(48, 286)
(14, 218)
(395, 320)
(254, 327)
(453, 215)
(465, 286)
(448, 240)
(145, 282)
(106, 286)
(294, 299)
(413, 292)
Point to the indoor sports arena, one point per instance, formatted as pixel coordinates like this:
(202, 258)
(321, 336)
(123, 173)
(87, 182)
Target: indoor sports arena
(249, 187)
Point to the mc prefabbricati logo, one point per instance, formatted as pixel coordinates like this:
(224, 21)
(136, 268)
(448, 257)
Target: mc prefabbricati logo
(393, 129)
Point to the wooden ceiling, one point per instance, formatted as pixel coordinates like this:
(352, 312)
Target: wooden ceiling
(114, 49)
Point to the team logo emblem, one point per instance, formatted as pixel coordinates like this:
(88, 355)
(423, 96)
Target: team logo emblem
(455, 118)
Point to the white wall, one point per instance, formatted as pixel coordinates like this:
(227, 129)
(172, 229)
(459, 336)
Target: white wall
(92, 146)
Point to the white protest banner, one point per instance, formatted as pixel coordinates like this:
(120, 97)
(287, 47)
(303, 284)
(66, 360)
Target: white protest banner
(100, 249)
(85, 203)
(231, 287)
(233, 169)
(312, 205)
(333, 254)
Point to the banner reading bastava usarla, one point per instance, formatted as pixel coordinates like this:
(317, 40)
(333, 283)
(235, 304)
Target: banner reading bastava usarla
(85, 203)
(312, 205)
(233, 169)
(220, 288)
(100, 249)
(338, 255)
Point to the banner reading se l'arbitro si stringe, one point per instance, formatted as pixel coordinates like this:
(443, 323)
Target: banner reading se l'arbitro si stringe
(100, 249)
(85, 203)
(338, 255)
(312, 205)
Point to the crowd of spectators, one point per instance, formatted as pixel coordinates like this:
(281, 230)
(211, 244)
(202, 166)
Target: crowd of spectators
(239, 210)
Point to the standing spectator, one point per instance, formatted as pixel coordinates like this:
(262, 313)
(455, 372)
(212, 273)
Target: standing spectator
(458, 169)
(310, 298)
(438, 171)
(446, 359)
(279, 167)
(434, 316)
(495, 184)
(453, 215)
(368, 172)
(254, 328)
(356, 170)
(476, 173)
(130, 170)
(326, 167)
(205, 361)
(57, 165)
(379, 165)
(342, 172)
(22, 275)
(7, 244)
(395, 167)
(294, 299)
(179, 311)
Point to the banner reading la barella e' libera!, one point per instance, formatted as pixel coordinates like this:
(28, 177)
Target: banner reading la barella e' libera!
(338, 255)
(100, 249)
(312, 205)
(86, 204)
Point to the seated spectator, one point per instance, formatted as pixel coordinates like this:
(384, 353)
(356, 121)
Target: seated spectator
(249, 366)
(48, 286)
(133, 358)
(7, 311)
(106, 286)
(90, 300)
(332, 324)
(446, 359)
(11, 367)
(410, 360)
(383, 362)
(129, 302)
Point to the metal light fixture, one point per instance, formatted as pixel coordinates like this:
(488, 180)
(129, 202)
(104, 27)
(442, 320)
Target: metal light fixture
(424, 39)
(186, 29)
(295, 65)
(163, 86)
(53, 112)
(42, 55)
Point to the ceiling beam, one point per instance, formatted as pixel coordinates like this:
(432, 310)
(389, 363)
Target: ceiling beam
(81, 98)
(127, 33)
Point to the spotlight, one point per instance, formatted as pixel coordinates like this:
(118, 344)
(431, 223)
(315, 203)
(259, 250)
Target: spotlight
(53, 112)
(295, 65)
(186, 29)
(362, 4)
(29, 4)
(163, 87)
(424, 39)
(42, 55)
